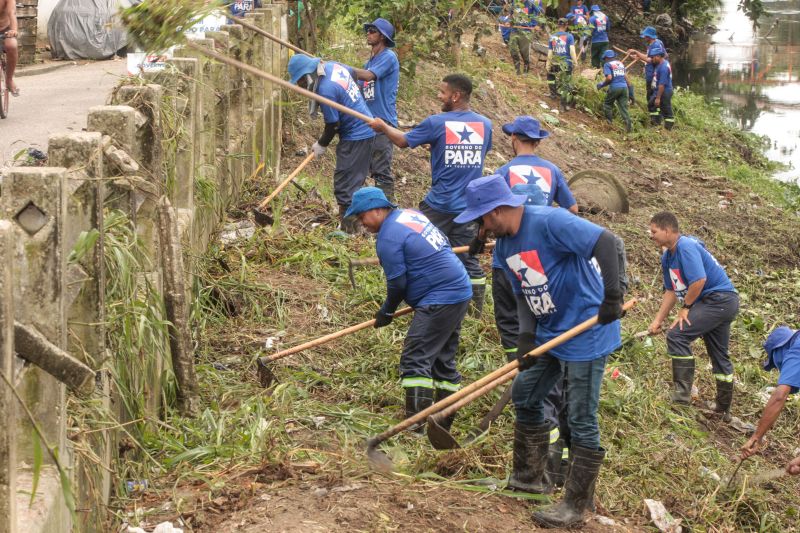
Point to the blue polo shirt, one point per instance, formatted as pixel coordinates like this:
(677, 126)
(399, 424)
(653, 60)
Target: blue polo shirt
(408, 243)
(663, 76)
(615, 69)
(691, 262)
(653, 49)
(600, 27)
(559, 43)
(549, 261)
(381, 93)
(338, 85)
(505, 31)
(459, 141)
(783, 352)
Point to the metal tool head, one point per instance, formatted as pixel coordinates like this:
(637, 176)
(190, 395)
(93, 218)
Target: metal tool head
(377, 459)
(439, 437)
(262, 218)
(266, 376)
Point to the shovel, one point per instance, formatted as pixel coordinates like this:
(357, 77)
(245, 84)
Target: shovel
(380, 461)
(264, 218)
(265, 374)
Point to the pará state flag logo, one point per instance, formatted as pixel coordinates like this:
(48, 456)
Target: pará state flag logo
(341, 76)
(519, 174)
(528, 268)
(419, 223)
(457, 132)
(558, 44)
(678, 284)
(463, 144)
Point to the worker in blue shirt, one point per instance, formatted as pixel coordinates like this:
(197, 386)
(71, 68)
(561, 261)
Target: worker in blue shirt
(654, 46)
(504, 24)
(519, 42)
(709, 304)
(459, 139)
(380, 79)
(660, 103)
(354, 150)
(601, 26)
(620, 88)
(561, 58)
(421, 269)
(239, 8)
(783, 353)
(563, 270)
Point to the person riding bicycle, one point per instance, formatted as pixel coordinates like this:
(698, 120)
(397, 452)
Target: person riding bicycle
(8, 41)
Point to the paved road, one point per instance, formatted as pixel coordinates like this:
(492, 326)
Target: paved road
(55, 102)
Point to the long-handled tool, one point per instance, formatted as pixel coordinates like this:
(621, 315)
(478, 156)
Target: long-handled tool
(370, 261)
(618, 49)
(381, 461)
(241, 21)
(265, 374)
(263, 218)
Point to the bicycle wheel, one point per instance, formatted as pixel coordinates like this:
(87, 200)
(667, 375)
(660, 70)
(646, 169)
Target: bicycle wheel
(4, 93)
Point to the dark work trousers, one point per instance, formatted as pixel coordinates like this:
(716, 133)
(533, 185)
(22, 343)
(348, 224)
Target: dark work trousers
(505, 318)
(663, 111)
(619, 96)
(710, 318)
(519, 47)
(598, 49)
(459, 235)
(381, 165)
(429, 352)
(559, 84)
(352, 166)
(532, 386)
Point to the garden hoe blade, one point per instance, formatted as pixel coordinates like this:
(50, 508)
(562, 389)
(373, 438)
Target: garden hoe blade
(439, 437)
(490, 417)
(377, 459)
(260, 215)
(266, 376)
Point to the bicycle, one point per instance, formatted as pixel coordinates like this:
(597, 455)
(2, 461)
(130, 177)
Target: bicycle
(4, 92)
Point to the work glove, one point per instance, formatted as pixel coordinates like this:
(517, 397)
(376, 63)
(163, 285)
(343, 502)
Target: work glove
(525, 343)
(382, 319)
(477, 246)
(600, 86)
(610, 308)
(318, 150)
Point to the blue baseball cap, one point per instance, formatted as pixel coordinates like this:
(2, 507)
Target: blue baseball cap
(595, 7)
(300, 65)
(385, 28)
(780, 337)
(656, 49)
(527, 126)
(486, 193)
(608, 54)
(649, 32)
(367, 198)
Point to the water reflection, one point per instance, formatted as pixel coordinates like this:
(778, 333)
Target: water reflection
(754, 74)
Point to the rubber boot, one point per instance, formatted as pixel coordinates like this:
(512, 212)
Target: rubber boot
(530, 458)
(478, 297)
(682, 378)
(446, 423)
(556, 469)
(628, 127)
(527, 67)
(516, 67)
(388, 190)
(724, 399)
(418, 399)
(348, 225)
(578, 490)
(668, 124)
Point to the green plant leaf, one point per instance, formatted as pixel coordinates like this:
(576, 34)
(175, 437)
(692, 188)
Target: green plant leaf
(37, 463)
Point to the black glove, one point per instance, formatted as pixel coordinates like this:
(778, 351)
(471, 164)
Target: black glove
(382, 319)
(477, 246)
(525, 343)
(611, 308)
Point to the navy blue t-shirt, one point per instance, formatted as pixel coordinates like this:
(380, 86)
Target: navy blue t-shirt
(691, 262)
(663, 76)
(550, 262)
(338, 85)
(652, 48)
(600, 27)
(615, 69)
(381, 93)
(459, 141)
(408, 243)
(559, 43)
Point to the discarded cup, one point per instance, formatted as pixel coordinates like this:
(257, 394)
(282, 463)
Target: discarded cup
(136, 486)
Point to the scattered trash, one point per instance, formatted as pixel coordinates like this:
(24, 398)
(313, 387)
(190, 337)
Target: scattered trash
(723, 204)
(605, 521)
(606, 155)
(741, 426)
(302, 152)
(323, 312)
(543, 105)
(490, 84)
(270, 342)
(318, 421)
(163, 527)
(347, 488)
(765, 394)
(219, 366)
(136, 486)
(244, 229)
(666, 183)
(710, 474)
(410, 506)
(320, 492)
(661, 518)
(265, 497)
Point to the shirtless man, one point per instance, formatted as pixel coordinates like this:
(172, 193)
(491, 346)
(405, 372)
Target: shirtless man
(8, 30)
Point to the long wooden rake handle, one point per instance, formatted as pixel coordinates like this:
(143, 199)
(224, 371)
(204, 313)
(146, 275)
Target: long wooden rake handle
(241, 21)
(328, 338)
(285, 182)
(280, 81)
(447, 411)
(374, 260)
(488, 379)
(618, 49)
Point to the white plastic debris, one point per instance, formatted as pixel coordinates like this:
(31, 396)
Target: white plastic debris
(661, 518)
(605, 521)
(705, 472)
(490, 83)
(167, 527)
(235, 231)
(543, 105)
(606, 155)
(270, 342)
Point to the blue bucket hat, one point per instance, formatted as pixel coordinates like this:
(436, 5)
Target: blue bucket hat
(649, 32)
(300, 65)
(385, 28)
(595, 7)
(608, 54)
(780, 337)
(568, 16)
(657, 49)
(485, 194)
(527, 126)
(367, 198)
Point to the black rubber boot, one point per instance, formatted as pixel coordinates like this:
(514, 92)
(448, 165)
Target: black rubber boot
(388, 190)
(446, 423)
(418, 399)
(516, 67)
(348, 225)
(557, 468)
(724, 399)
(527, 67)
(682, 379)
(478, 297)
(530, 458)
(578, 491)
(668, 124)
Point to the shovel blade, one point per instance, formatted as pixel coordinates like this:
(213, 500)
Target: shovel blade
(265, 375)
(439, 437)
(262, 218)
